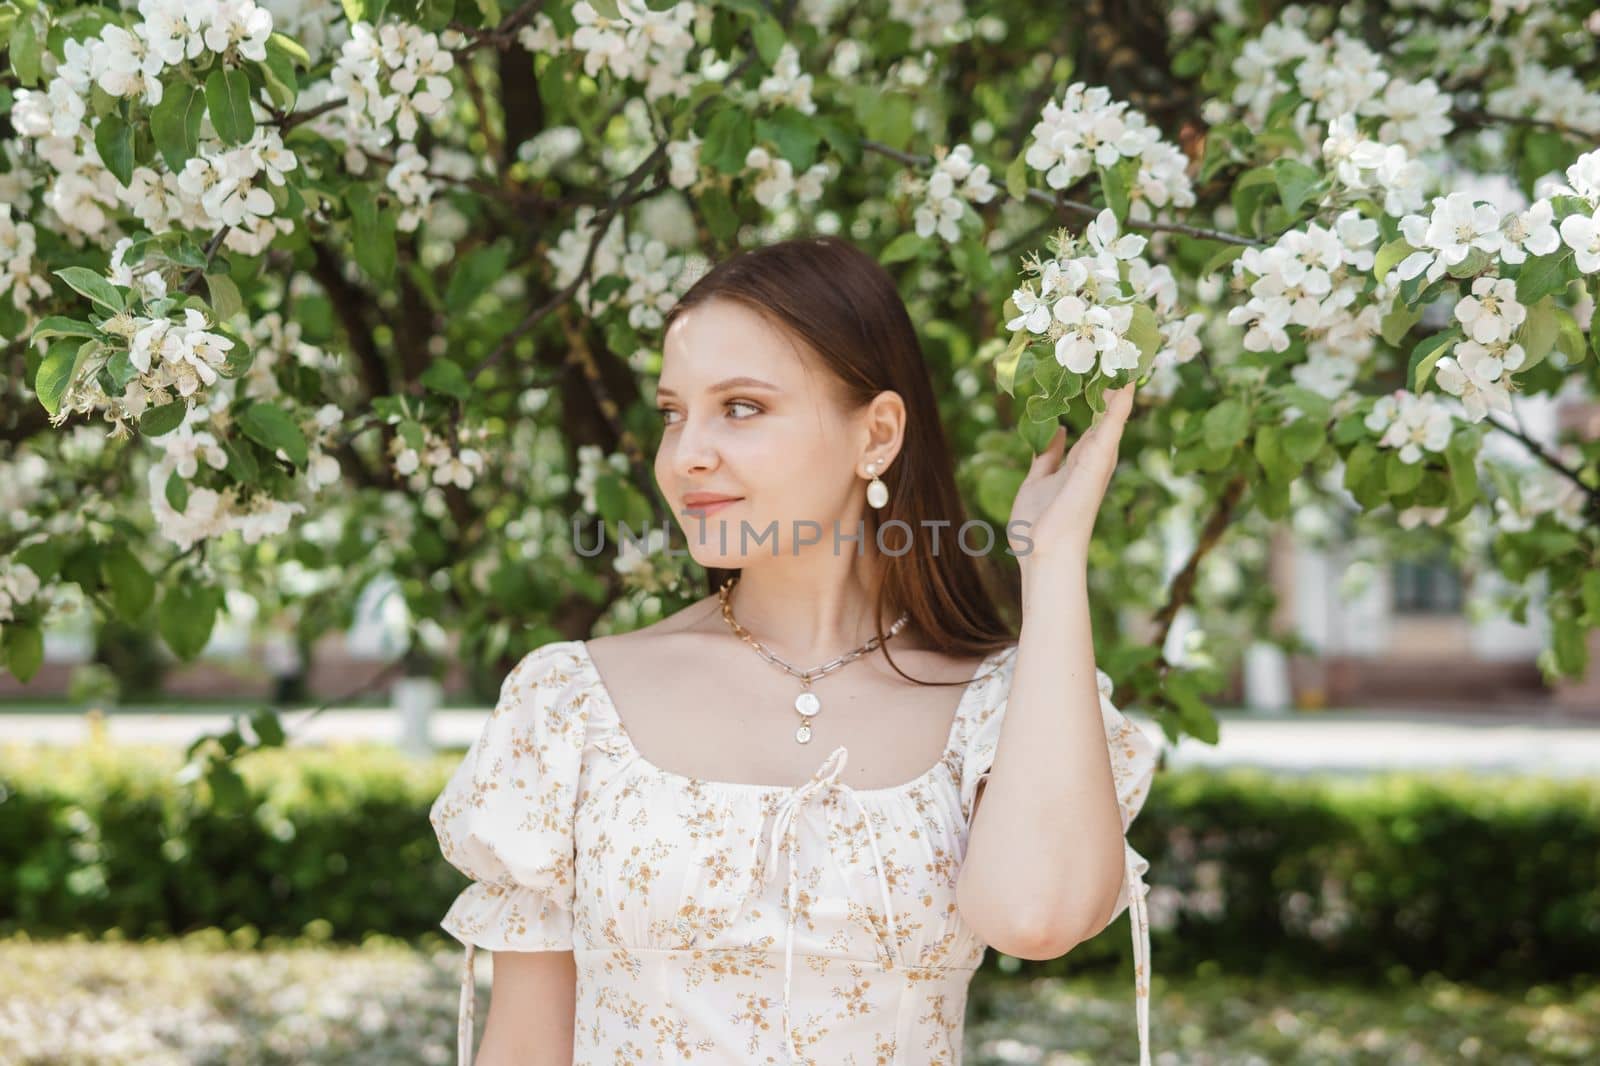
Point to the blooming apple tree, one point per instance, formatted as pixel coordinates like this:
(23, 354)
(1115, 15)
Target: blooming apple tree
(299, 294)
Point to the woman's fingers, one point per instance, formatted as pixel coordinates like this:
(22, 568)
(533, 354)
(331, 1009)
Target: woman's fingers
(1048, 460)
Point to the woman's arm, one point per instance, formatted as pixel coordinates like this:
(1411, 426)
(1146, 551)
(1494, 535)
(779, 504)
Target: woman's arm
(1044, 862)
(531, 1010)
(1044, 866)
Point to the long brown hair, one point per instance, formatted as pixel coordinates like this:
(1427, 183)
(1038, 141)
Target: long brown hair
(846, 308)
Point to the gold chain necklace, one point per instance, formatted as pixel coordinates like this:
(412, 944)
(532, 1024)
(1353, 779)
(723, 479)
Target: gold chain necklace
(807, 705)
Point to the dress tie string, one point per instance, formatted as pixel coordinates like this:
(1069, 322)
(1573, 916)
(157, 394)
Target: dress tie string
(465, 1016)
(785, 837)
(1139, 921)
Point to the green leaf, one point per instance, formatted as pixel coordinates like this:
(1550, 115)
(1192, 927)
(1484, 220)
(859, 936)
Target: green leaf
(177, 492)
(1398, 322)
(795, 135)
(1476, 262)
(1538, 333)
(268, 728)
(1303, 439)
(717, 207)
(55, 374)
(61, 326)
(728, 138)
(1145, 334)
(1222, 259)
(277, 73)
(175, 124)
(1569, 646)
(1006, 365)
(373, 233)
(26, 51)
(997, 491)
(186, 616)
(93, 286)
(272, 427)
(475, 274)
(1591, 596)
(1427, 353)
(1296, 182)
(228, 791)
(889, 119)
(113, 139)
(1544, 275)
(228, 99)
(1017, 178)
(163, 419)
(1114, 182)
(446, 377)
(225, 299)
(906, 246)
(845, 142)
(1390, 256)
(24, 649)
(132, 587)
(768, 35)
(290, 49)
(1402, 476)
(1226, 424)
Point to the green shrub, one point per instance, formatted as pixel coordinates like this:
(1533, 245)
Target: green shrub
(1472, 877)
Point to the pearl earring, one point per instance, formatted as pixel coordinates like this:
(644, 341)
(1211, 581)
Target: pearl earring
(877, 491)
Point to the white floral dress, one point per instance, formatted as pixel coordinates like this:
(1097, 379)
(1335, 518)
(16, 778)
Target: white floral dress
(721, 923)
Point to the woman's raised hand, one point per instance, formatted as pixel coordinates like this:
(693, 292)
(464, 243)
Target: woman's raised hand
(1060, 498)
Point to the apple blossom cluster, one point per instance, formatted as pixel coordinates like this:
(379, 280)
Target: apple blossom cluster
(151, 354)
(1089, 129)
(1310, 278)
(932, 22)
(435, 462)
(209, 513)
(1458, 224)
(787, 84)
(1334, 359)
(19, 273)
(656, 277)
(637, 558)
(1411, 423)
(649, 47)
(1550, 95)
(1083, 307)
(1338, 75)
(1537, 490)
(219, 187)
(1581, 232)
(393, 73)
(1363, 166)
(656, 280)
(18, 586)
(955, 181)
(776, 183)
(592, 461)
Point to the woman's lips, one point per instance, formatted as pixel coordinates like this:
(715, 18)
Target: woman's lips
(705, 510)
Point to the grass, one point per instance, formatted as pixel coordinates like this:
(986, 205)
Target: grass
(209, 999)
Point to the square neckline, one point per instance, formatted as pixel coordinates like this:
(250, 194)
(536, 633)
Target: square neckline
(622, 733)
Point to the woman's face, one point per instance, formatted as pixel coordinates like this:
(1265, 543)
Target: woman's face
(747, 412)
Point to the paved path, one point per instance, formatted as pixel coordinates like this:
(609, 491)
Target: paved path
(1347, 741)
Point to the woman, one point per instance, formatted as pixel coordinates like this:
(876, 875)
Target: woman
(745, 834)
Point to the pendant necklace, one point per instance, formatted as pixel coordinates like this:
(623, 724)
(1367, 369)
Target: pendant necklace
(807, 705)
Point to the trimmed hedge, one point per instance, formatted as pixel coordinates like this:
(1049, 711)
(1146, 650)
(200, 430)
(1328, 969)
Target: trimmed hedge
(1472, 877)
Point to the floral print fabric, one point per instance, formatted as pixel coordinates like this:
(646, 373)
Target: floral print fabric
(722, 923)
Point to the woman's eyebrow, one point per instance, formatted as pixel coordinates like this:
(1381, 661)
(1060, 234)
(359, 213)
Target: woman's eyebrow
(730, 383)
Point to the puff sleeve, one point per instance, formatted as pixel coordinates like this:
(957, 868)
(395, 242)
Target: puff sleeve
(505, 817)
(1133, 764)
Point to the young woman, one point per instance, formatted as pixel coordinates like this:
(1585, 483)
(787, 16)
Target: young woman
(764, 830)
